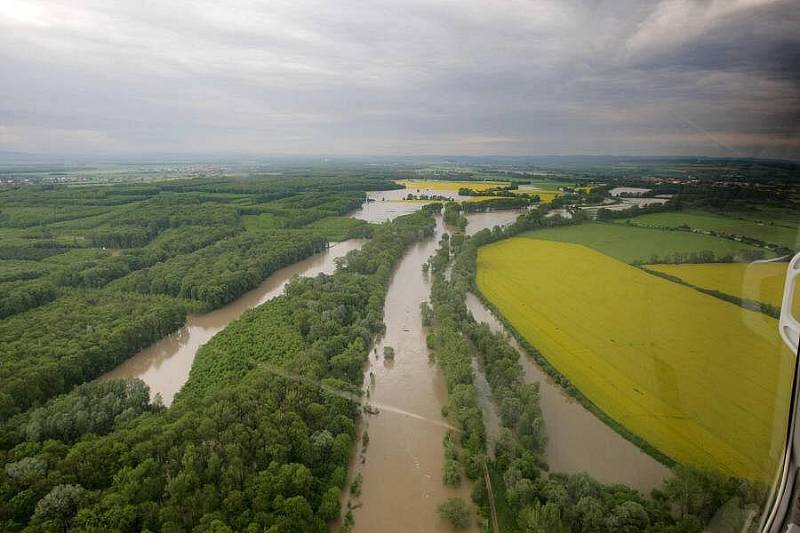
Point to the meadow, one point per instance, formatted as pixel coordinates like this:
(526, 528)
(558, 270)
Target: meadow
(694, 376)
(771, 233)
(759, 282)
(631, 244)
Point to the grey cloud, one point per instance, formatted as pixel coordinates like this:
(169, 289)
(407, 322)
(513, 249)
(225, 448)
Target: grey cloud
(416, 76)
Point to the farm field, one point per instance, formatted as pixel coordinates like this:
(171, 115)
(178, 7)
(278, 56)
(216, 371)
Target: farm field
(760, 282)
(546, 191)
(781, 235)
(545, 195)
(451, 185)
(694, 376)
(629, 243)
(784, 216)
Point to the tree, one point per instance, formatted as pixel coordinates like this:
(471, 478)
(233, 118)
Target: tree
(456, 511)
(60, 504)
(329, 507)
(539, 518)
(686, 490)
(628, 517)
(590, 514)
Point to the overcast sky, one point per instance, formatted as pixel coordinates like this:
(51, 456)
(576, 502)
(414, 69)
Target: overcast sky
(529, 77)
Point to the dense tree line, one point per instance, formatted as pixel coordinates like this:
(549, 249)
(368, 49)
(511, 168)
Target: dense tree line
(454, 217)
(453, 355)
(635, 210)
(19, 296)
(219, 273)
(48, 350)
(514, 202)
(95, 407)
(259, 440)
(30, 216)
(500, 190)
(18, 270)
(31, 251)
(704, 256)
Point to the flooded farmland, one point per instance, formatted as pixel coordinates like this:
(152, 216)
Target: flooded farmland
(165, 365)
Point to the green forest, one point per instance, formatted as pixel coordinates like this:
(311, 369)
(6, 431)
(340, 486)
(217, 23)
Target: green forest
(261, 436)
(89, 275)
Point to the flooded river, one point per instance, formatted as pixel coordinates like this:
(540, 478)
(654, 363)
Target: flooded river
(578, 440)
(165, 365)
(402, 468)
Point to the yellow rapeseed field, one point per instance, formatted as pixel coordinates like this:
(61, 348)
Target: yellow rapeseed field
(761, 282)
(701, 379)
(451, 185)
(545, 196)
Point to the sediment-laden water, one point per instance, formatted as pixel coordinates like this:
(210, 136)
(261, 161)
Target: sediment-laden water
(165, 365)
(402, 465)
(578, 440)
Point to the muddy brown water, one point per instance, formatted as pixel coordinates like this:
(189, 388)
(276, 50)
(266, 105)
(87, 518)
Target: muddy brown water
(402, 464)
(401, 467)
(165, 365)
(578, 440)
(490, 219)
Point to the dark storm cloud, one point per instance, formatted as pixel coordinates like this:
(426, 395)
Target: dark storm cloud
(344, 76)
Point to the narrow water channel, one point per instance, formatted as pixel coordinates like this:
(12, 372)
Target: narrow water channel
(165, 365)
(577, 440)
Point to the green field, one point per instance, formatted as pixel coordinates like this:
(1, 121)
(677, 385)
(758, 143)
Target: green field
(783, 216)
(704, 381)
(759, 282)
(629, 243)
(784, 236)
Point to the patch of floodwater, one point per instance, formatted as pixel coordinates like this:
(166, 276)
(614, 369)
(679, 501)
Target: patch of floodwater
(378, 211)
(396, 195)
(165, 365)
(616, 191)
(490, 219)
(382, 206)
(577, 440)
